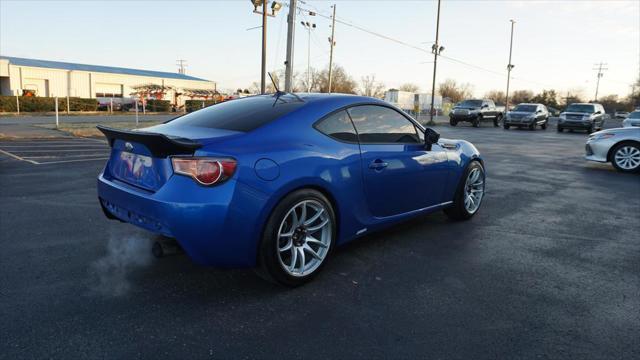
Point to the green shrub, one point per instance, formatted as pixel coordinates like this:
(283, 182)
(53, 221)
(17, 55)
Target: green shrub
(158, 105)
(193, 105)
(45, 104)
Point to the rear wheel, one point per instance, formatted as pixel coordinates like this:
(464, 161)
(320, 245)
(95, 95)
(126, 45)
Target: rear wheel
(298, 238)
(625, 157)
(505, 126)
(469, 194)
(476, 121)
(544, 124)
(497, 120)
(560, 129)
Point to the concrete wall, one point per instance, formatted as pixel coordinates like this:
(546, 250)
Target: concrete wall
(62, 83)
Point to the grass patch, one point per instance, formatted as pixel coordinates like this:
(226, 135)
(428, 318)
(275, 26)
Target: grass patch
(89, 129)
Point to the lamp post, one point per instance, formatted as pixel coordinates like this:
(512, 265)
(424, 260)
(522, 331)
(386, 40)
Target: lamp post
(275, 6)
(436, 49)
(510, 67)
(309, 26)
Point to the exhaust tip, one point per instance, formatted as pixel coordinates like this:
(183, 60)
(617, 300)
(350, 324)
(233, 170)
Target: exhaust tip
(165, 247)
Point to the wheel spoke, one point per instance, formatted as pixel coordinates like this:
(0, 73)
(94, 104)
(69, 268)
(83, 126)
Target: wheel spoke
(315, 217)
(287, 246)
(303, 261)
(312, 240)
(303, 214)
(294, 259)
(319, 226)
(311, 251)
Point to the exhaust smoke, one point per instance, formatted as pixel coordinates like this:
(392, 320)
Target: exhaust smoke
(124, 255)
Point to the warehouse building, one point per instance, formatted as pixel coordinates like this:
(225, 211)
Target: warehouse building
(31, 77)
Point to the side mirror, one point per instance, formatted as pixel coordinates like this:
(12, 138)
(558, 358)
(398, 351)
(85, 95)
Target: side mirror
(538, 111)
(598, 112)
(430, 137)
(485, 106)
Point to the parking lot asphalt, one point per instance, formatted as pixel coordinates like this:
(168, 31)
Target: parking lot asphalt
(549, 268)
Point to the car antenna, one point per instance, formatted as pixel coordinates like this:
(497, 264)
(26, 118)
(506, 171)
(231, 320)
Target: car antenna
(279, 93)
(274, 83)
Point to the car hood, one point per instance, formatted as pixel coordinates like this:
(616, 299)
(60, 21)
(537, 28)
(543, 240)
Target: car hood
(576, 113)
(466, 107)
(521, 113)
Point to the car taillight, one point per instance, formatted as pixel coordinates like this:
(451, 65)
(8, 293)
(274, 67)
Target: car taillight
(206, 171)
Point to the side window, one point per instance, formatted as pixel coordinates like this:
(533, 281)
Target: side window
(338, 126)
(491, 104)
(379, 124)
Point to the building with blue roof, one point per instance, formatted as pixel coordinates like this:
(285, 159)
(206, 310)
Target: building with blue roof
(22, 76)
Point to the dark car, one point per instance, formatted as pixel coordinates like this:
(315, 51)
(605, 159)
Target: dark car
(589, 117)
(527, 115)
(475, 112)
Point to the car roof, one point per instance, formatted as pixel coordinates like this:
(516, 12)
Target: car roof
(530, 104)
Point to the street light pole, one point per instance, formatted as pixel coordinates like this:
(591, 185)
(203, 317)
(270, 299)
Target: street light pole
(291, 34)
(436, 49)
(509, 68)
(333, 43)
(309, 26)
(263, 75)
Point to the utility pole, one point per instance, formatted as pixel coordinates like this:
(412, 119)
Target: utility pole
(182, 64)
(275, 6)
(436, 49)
(332, 41)
(510, 67)
(291, 34)
(263, 74)
(309, 26)
(600, 67)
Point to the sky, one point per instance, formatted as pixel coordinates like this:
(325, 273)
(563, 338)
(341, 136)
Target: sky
(556, 43)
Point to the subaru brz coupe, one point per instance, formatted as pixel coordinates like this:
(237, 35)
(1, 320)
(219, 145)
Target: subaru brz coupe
(278, 181)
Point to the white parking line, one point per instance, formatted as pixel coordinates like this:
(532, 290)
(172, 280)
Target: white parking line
(18, 157)
(53, 146)
(70, 161)
(52, 151)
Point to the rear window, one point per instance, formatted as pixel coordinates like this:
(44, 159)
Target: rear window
(244, 114)
(634, 115)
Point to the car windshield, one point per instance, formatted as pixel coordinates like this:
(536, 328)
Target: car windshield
(525, 108)
(471, 103)
(243, 114)
(581, 108)
(634, 115)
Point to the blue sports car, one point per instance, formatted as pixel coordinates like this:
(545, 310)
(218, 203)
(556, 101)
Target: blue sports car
(278, 181)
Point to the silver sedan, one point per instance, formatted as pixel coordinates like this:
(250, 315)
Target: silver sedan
(620, 147)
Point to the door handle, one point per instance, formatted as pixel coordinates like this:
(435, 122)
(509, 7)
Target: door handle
(378, 164)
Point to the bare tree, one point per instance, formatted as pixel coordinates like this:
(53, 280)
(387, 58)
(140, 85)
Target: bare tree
(454, 91)
(409, 87)
(497, 96)
(370, 87)
(521, 96)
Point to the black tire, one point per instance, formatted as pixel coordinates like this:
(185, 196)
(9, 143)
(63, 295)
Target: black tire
(560, 129)
(457, 211)
(544, 124)
(453, 122)
(497, 120)
(591, 129)
(476, 121)
(616, 149)
(269, 266)
(505, 126)
(532, 126)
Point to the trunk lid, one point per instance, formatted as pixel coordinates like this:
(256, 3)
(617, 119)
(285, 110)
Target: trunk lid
(142, 157)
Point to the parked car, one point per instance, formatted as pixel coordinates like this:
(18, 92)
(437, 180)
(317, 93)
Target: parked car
(620, 147)
(553, 111)
(278, 181)
(632, 120)
(621, 114)
(589, 117)
(527, 115)
(475, 112)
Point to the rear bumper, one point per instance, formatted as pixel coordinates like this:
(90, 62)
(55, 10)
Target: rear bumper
(214, 225)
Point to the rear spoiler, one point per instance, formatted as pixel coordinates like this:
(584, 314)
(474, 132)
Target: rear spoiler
(160, 145)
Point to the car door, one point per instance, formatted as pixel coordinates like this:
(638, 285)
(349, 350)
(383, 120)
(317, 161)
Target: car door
(399, 175)
(492, 109)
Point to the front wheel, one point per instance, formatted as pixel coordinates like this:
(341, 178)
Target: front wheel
(626, 157)
(505, 126)
(453, 122)
(560, 129)
(298, 238)
(469, 194)
(544, 124)
(476, 121)
(497, 120)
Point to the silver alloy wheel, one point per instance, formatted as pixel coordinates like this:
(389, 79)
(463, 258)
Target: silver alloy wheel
(474, 190)
(304, 238)
(627, 157)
